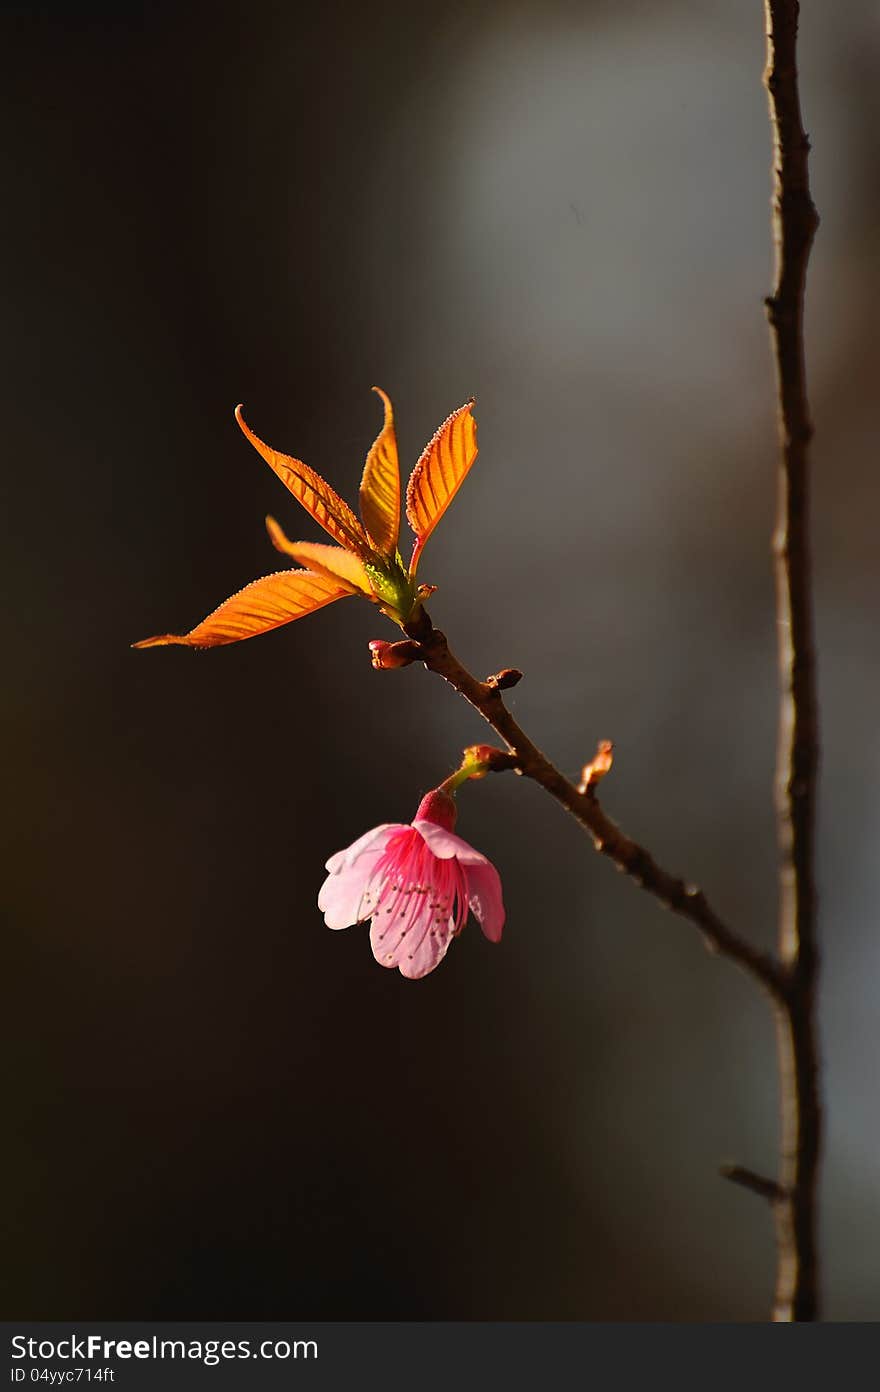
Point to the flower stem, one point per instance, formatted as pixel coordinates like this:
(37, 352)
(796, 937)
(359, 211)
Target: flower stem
(461, 775)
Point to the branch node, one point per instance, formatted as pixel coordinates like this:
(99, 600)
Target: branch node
(490, 760)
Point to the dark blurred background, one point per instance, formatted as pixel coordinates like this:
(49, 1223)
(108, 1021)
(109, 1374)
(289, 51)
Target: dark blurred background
(215, 1107)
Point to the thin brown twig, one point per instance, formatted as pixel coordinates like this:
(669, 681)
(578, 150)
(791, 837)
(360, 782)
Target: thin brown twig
(672, 891)
(794, 225)
(758, 1184)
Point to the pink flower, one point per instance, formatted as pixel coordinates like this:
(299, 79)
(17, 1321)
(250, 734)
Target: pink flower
(416, 884)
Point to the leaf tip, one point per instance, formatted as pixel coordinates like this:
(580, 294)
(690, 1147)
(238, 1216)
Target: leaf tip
(160, 641)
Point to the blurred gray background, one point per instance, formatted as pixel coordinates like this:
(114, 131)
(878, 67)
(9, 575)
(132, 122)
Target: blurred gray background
(217, 1108)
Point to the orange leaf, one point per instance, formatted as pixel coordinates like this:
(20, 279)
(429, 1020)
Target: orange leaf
(316, 496)
(380, 486)
(259, 607)
(332, 561)
(439, 474)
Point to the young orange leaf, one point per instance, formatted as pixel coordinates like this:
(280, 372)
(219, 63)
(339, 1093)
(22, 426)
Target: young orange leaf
(316, 496)
(380, 486)
(439, 474)
(332, 561)
(263, 605)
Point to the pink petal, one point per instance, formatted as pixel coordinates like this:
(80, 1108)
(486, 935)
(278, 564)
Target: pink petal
(343, 859)
(342, 897)
(445, 844)
(487, 904)
(428, 954)
(416, 944)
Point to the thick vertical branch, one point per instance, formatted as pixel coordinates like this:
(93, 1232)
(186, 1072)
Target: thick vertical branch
(794, 225)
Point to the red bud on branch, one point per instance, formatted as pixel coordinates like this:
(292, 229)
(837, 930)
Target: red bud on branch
(386, 656)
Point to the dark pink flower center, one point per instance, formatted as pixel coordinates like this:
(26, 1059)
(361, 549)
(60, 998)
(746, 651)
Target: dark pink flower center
(413, 891)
